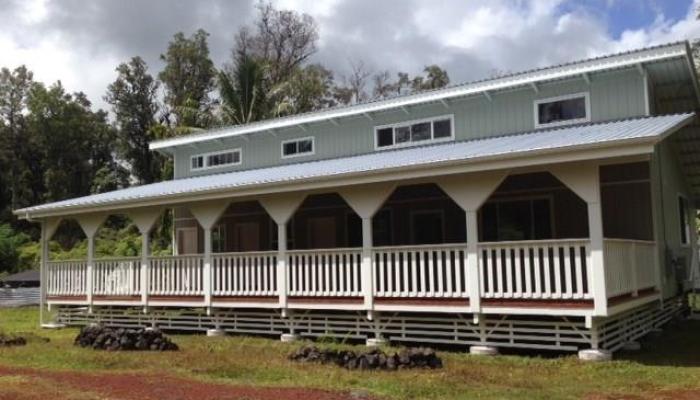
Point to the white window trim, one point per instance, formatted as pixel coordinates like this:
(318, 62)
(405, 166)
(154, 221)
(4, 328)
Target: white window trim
(587, 118)
(310, 153)
(213, 153)
(451, 117)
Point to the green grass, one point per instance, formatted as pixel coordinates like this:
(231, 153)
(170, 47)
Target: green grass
(671, 362)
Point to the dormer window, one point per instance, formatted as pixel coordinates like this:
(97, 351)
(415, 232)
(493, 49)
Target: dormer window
(562, 110)
(215, 160)
(298, 147)
(414, 132)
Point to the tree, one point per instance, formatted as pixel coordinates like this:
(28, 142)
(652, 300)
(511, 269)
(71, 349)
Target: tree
(14, 89)
(133, 97)
(353, 90)
(71, 140)
(188, 78)
(268, 76)
(243, 92)
(283, 40)
(435, 77)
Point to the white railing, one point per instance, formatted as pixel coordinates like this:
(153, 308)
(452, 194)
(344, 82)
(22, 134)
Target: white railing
(630, 266)
(176, 276)
(119, 277)
(66, 278)
(437, 271)
(537, 269)
(333, 272)
(245, 274)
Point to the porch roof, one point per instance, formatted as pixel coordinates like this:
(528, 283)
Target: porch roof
(585, 141)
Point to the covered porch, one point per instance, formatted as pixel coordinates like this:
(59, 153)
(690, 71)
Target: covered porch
(573, 238)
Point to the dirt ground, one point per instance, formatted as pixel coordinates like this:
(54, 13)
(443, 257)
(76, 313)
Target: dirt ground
(31, 384)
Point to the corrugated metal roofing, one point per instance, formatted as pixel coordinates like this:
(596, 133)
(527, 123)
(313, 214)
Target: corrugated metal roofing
(613, 61)
(523, 144)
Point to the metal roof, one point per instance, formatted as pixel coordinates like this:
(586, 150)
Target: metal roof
(591, 135)
(582, 68)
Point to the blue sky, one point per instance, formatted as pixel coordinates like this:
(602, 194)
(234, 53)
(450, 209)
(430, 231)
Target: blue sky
(621, 15)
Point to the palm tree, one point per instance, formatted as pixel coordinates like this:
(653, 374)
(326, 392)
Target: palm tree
(242, 89)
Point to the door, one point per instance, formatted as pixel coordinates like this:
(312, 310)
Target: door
(187, 241)
(246, 236)
(322, 233)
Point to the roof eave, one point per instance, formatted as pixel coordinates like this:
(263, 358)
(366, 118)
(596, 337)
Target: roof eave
(680, 49)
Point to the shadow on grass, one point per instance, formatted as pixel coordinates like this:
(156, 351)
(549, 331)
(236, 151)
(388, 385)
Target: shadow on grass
(677, 346)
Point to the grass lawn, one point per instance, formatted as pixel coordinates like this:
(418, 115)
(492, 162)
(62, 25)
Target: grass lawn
(667, 367)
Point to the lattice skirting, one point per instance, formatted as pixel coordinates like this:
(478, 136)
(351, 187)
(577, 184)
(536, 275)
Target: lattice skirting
(513, 331)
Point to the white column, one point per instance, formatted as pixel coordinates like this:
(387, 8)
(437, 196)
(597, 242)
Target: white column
(584, 180)
(207, 214)
(90, 223)
(42, 270)
(90, 268)
(282, 273)
(366, 200)
(145, 219)
(470, 191)
(281, 208)
(597, 258)
(145, 283)
(473, 281)
(208, 281)
(366, 268)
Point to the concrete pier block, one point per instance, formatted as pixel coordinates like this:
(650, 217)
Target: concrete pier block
(596, 355)
(483, 350)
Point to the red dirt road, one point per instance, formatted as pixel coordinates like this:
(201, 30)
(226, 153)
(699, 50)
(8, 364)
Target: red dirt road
(31, 384)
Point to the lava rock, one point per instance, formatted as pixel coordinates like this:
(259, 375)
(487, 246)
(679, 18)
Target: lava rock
(421, 357)
(121, 339)
(8, 341)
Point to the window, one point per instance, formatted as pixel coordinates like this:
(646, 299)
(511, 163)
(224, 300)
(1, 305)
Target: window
(414, 132)
(215, 160)
(297, 147)
(683, 219)
(562, 110)
(516, 219)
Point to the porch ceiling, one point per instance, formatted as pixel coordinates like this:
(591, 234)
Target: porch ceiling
(572, 143)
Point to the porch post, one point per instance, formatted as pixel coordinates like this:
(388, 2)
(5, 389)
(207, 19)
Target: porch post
(207, 214)
(470, 192)
(584, 180)
(282, 282)
(90, 224)
(48, 228)
(145, 219)
(281, 208)
(365, 201)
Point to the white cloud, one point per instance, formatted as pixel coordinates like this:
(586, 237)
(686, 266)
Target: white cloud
(82, 44)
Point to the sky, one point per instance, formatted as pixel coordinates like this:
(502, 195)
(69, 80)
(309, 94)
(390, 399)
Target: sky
(80, 42)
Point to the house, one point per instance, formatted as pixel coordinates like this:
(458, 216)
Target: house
(548, 209)
(26, 279)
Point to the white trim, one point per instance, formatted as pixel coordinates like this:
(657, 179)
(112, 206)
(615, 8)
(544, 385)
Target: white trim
(205, 156)
(432, 139)
(587, 100)
(615, 61)
(297, 154)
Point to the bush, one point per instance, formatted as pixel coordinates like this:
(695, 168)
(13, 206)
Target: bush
(10, 244)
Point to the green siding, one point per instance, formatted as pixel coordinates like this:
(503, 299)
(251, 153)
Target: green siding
(668, 183)
(613, 95)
